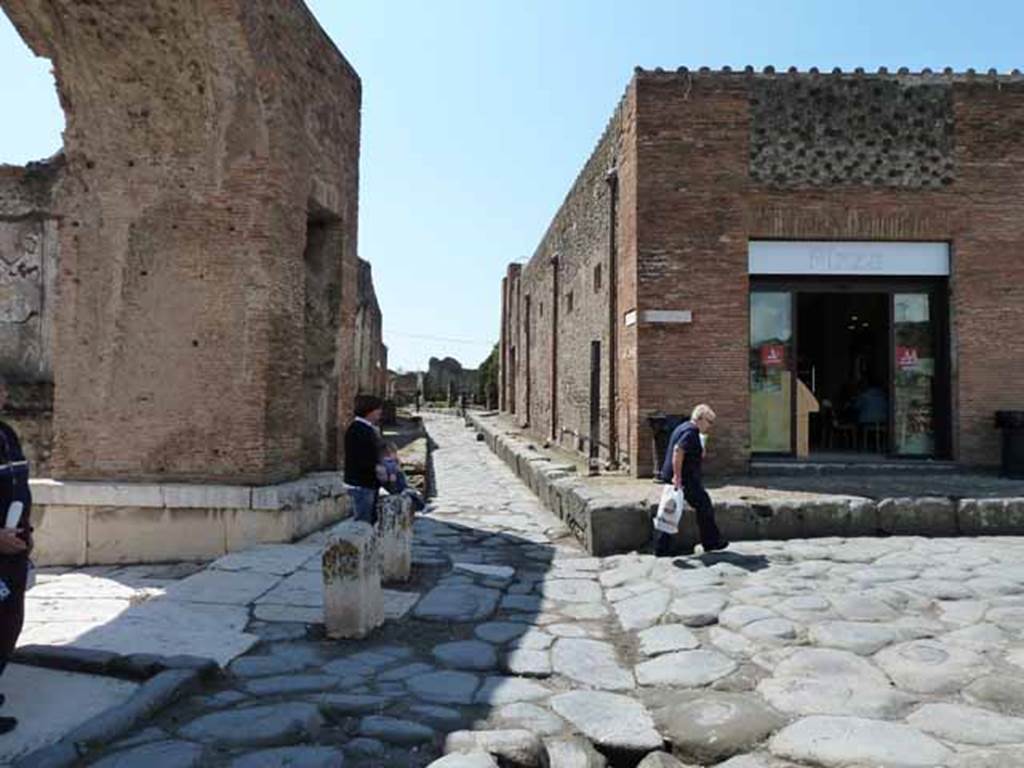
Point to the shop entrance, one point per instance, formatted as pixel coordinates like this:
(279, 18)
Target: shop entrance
(851, 370)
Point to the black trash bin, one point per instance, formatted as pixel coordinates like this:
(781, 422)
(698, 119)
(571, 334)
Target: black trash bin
(662, 425)
(1012, 424)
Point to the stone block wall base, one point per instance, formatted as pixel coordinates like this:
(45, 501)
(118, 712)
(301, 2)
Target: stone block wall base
(610, 519)
(353, 598)
(80, 523)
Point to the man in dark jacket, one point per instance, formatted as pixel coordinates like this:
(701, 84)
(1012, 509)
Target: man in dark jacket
(15, 543)
(363, 449)
(682, 468)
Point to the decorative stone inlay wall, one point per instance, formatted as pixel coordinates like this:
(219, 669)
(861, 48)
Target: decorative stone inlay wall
(849, 130)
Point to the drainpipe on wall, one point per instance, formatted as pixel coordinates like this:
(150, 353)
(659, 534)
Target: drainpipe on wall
(612, 179)
(554, 348)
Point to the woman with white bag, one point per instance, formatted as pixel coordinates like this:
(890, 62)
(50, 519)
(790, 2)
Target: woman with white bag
(681, 473)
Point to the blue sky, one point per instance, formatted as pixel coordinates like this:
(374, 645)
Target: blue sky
(477, 115)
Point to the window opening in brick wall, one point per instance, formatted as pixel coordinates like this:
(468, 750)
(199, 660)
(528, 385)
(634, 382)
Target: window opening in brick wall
(542, 309)
(597, 278)
(28, 90)
(569, 302)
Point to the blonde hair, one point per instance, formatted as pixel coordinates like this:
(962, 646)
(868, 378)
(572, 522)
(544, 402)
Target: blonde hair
(702, 411)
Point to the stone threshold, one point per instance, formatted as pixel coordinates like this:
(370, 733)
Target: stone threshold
(612, 514)
(165, 679)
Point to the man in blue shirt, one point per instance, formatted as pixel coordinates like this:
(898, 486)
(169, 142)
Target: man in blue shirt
(682, 469)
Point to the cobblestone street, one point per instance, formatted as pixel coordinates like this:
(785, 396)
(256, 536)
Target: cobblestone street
(828, 652)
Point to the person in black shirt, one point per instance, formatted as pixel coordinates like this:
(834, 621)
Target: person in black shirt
(682, 469)
(363, 449)
(15, 544)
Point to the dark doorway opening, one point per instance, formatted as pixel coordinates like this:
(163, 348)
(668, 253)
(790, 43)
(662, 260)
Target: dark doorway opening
(843, 360)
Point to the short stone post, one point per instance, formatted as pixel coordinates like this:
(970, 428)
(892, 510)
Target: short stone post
(353, 600)
(396, 517)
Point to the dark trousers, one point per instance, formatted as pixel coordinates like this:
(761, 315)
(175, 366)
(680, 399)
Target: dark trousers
(12, 607)
(697, 497)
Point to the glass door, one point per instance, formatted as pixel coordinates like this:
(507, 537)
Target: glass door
(771, 380)
(914, 375)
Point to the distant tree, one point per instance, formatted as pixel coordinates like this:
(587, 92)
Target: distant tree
(488, 379)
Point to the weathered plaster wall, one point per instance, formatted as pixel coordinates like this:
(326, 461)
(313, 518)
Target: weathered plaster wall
(29, 265)
(201, 139)
(370, 352)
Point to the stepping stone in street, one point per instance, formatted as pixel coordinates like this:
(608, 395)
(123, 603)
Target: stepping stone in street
(519, 748)
(643, 610)
(574, 752)
(269, 725)
(667, 638)
(527, 663)
(698, 609)
(265, 666)
(500, 632)
(273, 686)
(509, 690)
(736, 617)
(928, 666)
(444, 687)
(531, 717)
(499, 572)
(836, 742)
(968, 725)
(458, 603)
(685, 668)
(708, 727)
(616, 724)
(861, 637)
(465, 760)
(572, 590)
(592, 663)
(289, 757)
(181, 754)
(823, 681)
(394, 731)
(338, 706)
(467, 654)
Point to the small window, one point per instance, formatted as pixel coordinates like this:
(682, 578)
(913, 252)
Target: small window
(569, 302)
(597, 278)
(542, 309)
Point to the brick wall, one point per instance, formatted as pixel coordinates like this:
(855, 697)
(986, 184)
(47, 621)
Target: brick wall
(708, 161)
(560, 301)
(200, 141)
(699, 204)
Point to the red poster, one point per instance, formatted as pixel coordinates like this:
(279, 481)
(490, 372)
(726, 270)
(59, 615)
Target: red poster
(773, 355)
(906, 358)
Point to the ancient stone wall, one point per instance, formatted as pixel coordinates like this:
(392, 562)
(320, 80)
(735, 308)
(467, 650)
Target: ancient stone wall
(560, 302)
(29, 265)
(211, 170)
(370, 352)
(447, 376)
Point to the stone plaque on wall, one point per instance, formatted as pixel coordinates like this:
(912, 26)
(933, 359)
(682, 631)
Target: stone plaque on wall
(826, 131)
(21, 278)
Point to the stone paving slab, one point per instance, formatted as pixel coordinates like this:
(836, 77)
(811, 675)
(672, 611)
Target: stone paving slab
(49, 703)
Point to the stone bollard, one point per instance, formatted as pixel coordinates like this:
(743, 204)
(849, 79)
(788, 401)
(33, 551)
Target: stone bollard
(353, 600)
(395, 534)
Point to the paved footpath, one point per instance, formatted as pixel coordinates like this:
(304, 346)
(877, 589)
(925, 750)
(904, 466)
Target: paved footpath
(827, 652)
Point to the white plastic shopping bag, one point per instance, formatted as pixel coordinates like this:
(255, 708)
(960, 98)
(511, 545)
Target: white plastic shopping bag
(670, 510)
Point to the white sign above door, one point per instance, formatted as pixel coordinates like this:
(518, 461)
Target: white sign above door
(825, 257)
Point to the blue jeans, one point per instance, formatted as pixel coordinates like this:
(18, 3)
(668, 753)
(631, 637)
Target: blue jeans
(364, 504)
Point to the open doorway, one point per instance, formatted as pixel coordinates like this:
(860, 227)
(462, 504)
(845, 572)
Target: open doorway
(843, 362)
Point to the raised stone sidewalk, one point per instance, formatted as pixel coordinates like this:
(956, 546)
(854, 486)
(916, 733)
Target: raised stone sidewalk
(524, 650)
(612, 513)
